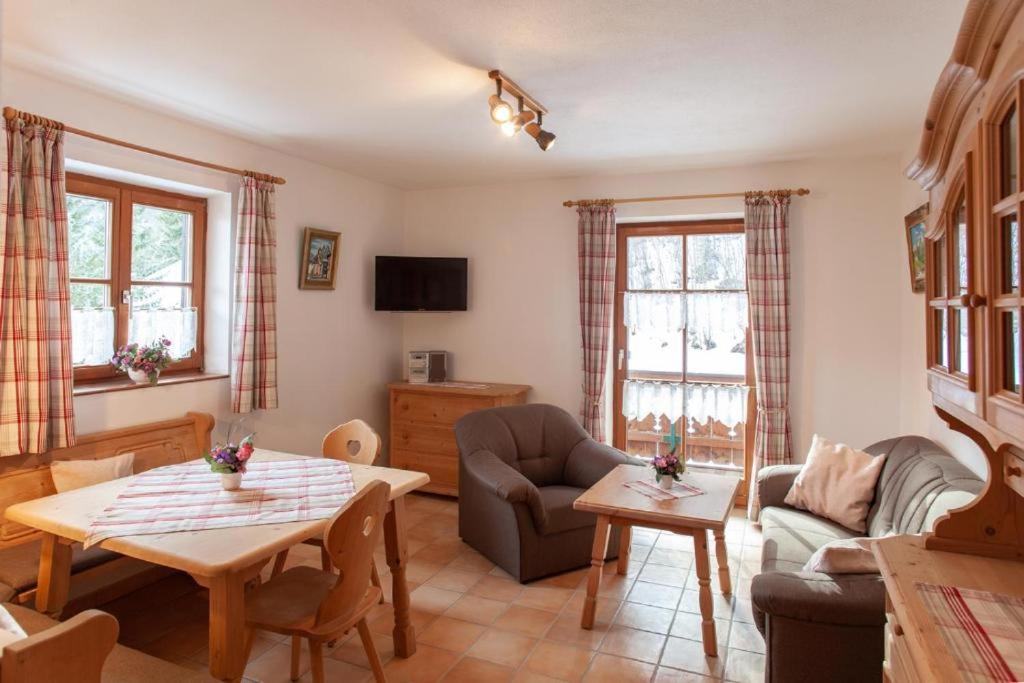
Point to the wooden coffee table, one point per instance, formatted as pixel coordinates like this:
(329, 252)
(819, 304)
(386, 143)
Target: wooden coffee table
(616, 505)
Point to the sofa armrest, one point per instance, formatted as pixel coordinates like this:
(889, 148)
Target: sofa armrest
(589, 461)
(774, 482)
(848, 600)
(506, 483)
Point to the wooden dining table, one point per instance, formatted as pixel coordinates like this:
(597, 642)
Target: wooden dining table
(221, 560)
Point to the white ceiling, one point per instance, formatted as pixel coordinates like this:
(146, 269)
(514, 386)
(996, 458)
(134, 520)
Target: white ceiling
(396, 90)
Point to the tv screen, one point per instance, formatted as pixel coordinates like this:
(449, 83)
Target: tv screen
(420, 284)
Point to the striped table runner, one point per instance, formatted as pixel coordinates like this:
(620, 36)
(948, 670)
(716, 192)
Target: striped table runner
(984, 631)
(188, 497)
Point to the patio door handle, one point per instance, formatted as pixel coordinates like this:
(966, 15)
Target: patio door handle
(622, 354)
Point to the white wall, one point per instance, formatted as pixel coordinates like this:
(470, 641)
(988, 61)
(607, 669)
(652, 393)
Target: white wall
(335, 353)
(848, 274)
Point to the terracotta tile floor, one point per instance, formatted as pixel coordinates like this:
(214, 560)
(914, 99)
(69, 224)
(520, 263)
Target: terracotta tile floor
(474, 623)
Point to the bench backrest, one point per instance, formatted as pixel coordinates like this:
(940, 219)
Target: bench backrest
(27, 477)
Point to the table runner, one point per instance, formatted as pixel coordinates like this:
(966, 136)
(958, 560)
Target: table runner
(679, 490)
(984, 631)
(188, 497)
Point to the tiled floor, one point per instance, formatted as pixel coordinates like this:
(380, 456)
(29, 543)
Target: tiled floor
(474, 623)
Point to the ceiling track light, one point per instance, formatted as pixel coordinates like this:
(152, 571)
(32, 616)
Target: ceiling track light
(529, 109)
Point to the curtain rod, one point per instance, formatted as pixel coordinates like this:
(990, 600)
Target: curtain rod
(800, 191)
(10, 113)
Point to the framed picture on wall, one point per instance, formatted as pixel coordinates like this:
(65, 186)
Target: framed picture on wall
(319, 259)
(915, 224)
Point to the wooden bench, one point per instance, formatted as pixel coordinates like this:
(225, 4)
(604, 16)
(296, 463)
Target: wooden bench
(98, 575)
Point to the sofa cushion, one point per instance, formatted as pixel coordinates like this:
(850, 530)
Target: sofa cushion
(19, 564)
(557, 502)
(790, 537)
(919, 483)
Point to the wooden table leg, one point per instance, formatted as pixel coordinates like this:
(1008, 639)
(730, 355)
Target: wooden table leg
(707, 607)
(227, 624)
(597, 554)
(398, 557)
(723, 563)
(625, 537)
(54, 575)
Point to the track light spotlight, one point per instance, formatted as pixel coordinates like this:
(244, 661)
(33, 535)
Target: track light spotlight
(545, 139)
(513, 125)
(501, 111)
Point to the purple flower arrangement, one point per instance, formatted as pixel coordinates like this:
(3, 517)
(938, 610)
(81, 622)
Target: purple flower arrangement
(231, 458)
(668, 465)
(149, 359)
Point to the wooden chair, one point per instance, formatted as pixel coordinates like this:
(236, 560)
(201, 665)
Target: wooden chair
(71, 651)
(354, 441)
(320, 606)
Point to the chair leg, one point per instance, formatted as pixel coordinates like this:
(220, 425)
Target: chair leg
(316, 660)
(296, 656)
(325, 559)
(371, 651)
(279, 563)
(375, 580)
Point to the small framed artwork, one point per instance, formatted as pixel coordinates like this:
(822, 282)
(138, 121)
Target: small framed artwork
(319, 259)
(915, 224)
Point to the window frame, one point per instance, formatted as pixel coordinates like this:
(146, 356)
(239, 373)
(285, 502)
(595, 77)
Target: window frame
(684, 229)
(122, 197)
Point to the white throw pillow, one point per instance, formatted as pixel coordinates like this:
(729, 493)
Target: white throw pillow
(844, 556)
(69, 475)
(837, 482)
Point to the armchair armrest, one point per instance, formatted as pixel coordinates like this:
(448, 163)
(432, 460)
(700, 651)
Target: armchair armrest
(774, 482)
(850, 600)
(589, 461)
(506, 483)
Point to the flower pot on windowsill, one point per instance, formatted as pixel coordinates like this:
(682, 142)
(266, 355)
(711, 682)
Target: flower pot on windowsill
(142, 377)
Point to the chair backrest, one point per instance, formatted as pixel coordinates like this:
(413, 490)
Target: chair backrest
(919, 483)
(535, 438)
(351, 535)
(355, 441)
(74, 650)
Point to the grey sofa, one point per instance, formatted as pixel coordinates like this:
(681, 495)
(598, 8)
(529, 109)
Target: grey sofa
(819, 627)
(520, 469)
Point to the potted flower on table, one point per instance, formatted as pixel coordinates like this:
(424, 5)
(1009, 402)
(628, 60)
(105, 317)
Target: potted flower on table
(667, 468)
(143, 363)
(230, 462)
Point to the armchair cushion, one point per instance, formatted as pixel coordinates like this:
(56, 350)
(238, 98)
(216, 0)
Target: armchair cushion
(506, 482)
(589, 461)
(790, 537)
(557, 502)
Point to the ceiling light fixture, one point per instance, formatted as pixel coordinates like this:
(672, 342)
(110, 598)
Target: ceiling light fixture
(529, 109)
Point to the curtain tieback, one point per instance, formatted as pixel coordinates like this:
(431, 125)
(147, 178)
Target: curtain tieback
(773, 411)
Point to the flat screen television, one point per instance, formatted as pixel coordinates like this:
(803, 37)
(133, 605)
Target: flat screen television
(405, 283)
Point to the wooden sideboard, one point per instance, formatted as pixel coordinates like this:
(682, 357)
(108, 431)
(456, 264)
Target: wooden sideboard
(423, 418)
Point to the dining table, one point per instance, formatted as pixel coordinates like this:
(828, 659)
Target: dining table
(224, 560)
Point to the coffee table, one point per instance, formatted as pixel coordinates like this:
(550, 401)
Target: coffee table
(616, 505)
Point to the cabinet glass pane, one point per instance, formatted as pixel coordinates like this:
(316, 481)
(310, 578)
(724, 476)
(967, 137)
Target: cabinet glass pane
(939, 264)
(1011, 350)
(1008, 153)
(940, 332)
(959, 247)
(960, 340)
(654, 262)
(1009, 254)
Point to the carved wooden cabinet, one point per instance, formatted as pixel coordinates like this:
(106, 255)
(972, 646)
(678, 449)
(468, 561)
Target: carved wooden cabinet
(423, 418)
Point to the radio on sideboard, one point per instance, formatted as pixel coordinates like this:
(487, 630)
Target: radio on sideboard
(427, 366)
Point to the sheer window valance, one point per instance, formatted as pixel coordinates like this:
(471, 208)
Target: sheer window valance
(177, 324)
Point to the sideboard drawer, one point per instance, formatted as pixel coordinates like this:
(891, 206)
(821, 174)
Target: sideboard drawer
(899, 666)
(1013, 472)
(413, 407)
(424, 438)
(442, 469)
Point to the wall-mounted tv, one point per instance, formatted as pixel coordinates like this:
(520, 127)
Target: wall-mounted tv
(405, 283)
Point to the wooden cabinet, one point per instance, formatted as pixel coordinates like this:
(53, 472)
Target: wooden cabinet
(423, 418)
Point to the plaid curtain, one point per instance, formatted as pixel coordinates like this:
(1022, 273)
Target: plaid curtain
(254, 344)
(597, 289)
(36, 408)
(767, 229)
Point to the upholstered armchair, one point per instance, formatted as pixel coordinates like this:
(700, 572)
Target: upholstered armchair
(520, 469)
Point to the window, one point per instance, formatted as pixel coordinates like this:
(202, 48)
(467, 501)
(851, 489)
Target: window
(681, 331)
(136, 264)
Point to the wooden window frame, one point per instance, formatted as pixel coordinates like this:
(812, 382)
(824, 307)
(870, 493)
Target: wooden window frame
(122, 197)
(684, 229)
